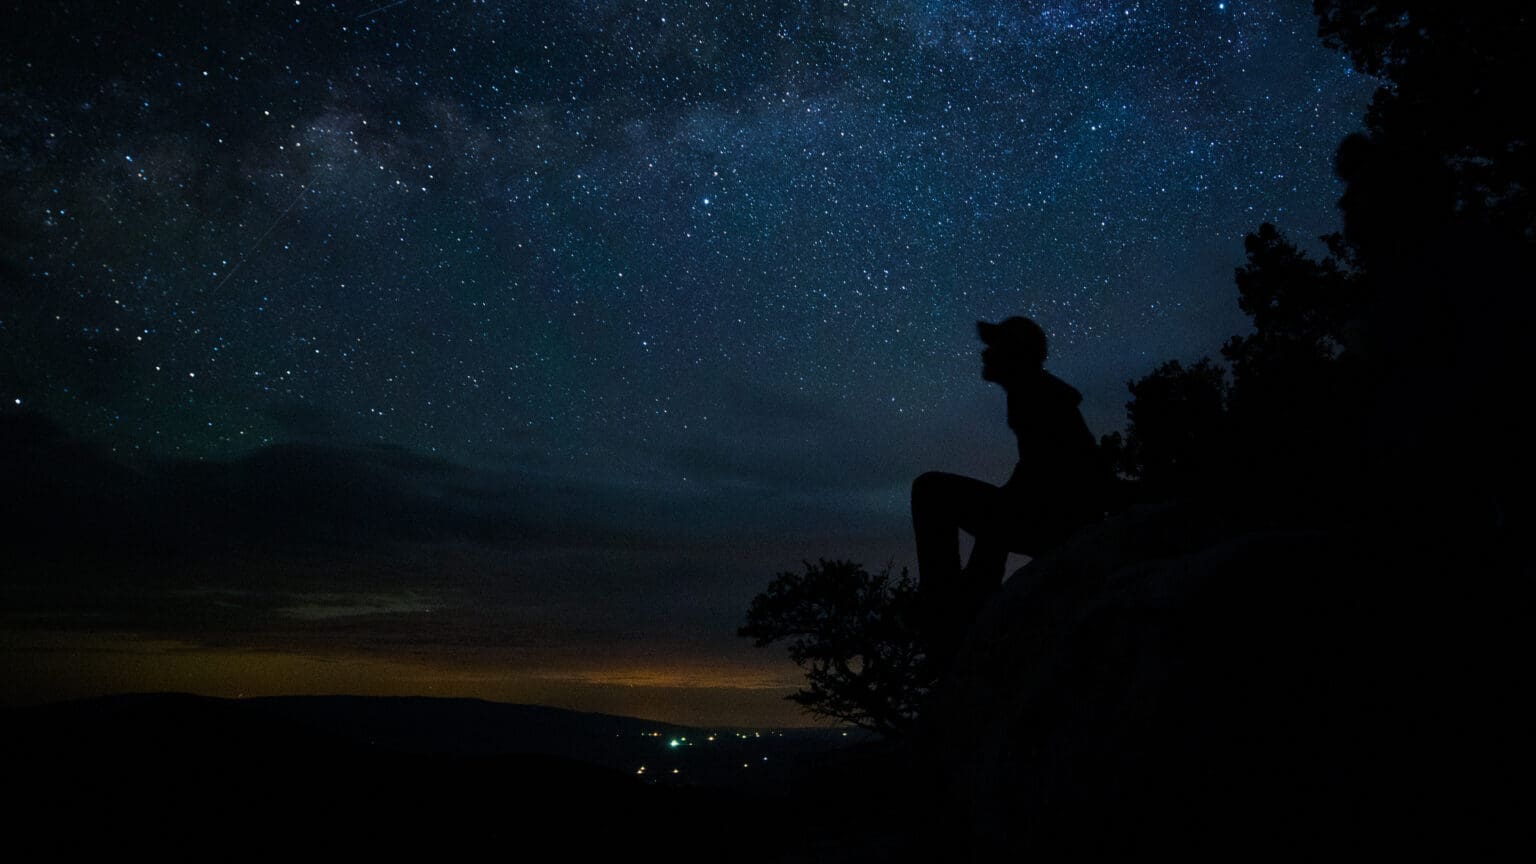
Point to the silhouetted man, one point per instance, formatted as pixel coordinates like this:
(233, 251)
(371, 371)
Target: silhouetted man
(1055, 488)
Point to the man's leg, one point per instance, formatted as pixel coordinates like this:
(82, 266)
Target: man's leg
(943, 505)
(989, 560)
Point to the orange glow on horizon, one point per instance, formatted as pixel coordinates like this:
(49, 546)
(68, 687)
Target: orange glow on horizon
(52, 666)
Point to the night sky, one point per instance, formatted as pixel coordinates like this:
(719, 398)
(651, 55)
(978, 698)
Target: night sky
(507, 349)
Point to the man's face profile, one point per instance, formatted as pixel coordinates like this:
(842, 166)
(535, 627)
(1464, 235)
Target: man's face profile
(998, 362)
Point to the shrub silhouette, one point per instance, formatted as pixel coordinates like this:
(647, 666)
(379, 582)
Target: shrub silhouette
(1284, 419)
(853, 634)
(1176, 434)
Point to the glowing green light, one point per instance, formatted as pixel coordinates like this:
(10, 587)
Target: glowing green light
(674, 742)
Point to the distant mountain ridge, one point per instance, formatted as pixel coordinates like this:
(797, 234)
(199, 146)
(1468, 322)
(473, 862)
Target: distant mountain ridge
(422, 726)
(371, 773)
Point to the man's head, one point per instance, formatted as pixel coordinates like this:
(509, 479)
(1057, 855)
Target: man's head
(1015, 347)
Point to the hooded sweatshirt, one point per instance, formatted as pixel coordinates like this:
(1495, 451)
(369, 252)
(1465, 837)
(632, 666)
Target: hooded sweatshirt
(1058, 460)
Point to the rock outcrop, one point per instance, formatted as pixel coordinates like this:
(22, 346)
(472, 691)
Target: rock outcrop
(1162, 681)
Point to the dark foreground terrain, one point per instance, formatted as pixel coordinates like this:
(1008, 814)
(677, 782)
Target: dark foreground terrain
(169, 773)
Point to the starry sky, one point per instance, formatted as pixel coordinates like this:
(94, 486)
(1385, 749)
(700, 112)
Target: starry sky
(507, 349)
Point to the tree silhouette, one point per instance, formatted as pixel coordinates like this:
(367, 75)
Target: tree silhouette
(1176, 431)
(853, 633)
(1439, 222)
(1451, 87)
(1301, 308)
(1373, 371)
(1296, 396)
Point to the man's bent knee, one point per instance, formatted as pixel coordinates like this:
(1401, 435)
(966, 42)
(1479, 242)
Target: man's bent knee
(924, 481)
(929, 485)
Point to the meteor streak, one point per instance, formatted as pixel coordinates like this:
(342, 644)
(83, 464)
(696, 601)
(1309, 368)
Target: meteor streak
(380, 9)
(241, 262)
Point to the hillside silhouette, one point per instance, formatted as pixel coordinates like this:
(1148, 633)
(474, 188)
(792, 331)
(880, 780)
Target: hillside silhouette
(364, 774)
